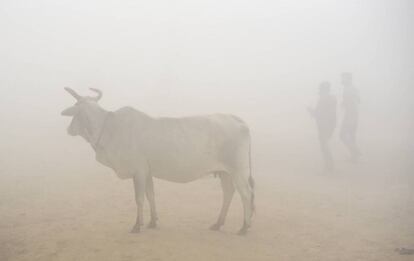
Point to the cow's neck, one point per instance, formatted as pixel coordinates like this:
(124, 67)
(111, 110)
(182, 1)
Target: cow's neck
(97, 122)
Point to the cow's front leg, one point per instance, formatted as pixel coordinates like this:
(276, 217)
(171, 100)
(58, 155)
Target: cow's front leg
(139, 188)
(151, 200)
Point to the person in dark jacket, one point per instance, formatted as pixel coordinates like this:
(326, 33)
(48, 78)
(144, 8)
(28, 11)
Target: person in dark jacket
(324, 114)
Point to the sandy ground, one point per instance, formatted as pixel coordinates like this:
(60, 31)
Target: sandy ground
(361, 212)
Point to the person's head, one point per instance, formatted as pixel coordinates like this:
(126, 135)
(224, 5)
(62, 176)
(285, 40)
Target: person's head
(346, 78)
(324, 88)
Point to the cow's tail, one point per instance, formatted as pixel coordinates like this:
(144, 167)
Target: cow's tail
(251, 180)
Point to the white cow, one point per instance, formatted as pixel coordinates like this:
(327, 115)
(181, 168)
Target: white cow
(140, 147)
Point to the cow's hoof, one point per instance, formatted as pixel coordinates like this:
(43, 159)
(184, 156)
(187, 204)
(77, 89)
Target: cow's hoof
(215, 227)
(135, 230)
(152, 225)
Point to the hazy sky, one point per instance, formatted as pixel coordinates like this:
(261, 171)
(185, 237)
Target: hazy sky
(262, 60)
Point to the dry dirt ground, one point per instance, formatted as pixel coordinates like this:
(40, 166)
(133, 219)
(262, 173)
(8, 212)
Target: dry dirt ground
(361, 212)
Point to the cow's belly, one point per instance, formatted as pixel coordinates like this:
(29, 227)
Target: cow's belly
(181, 156)
(181, 177)
(184, 169)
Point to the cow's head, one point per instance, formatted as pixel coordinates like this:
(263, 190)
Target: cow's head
(84, 113)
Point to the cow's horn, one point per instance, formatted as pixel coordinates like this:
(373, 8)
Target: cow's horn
(99, 92)
(73, 93)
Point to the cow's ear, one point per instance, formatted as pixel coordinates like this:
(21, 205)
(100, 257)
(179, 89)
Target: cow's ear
(71, 111)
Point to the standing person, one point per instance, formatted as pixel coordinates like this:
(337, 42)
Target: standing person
(325, 117)
(350, 104)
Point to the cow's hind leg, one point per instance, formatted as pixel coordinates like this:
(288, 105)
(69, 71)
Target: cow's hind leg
(151, 200)
(246, 195)
(139, 188)
(228, 192)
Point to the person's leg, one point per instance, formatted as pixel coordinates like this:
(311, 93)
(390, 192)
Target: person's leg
(326, 153)
(353, 147)
(348, 138)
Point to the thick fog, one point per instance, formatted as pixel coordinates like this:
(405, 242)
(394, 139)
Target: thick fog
(262, 61)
